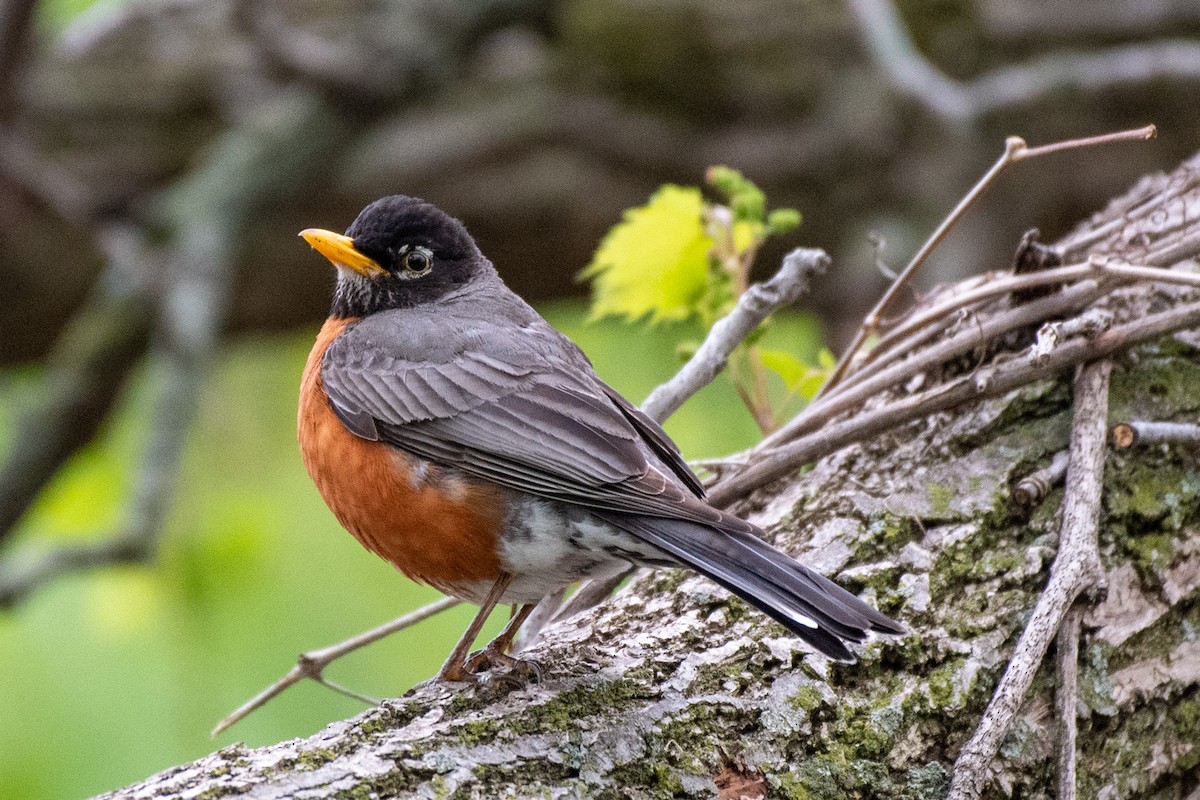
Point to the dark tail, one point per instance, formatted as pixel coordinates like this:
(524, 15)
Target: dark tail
(810, 605)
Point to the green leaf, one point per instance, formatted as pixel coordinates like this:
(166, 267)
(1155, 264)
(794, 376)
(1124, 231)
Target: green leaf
(791, 369)
(826, 359)
(655, 262)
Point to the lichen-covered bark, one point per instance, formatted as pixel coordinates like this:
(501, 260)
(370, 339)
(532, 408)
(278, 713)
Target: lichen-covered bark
(673, 686)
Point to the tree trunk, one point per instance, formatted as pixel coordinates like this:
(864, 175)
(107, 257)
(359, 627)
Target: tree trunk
(673, 688)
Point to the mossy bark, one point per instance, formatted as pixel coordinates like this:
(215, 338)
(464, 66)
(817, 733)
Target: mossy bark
(674, 689)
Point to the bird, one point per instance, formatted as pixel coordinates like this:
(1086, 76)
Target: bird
(458, 435)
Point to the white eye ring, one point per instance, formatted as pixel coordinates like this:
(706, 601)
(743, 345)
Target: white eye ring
(417, 261)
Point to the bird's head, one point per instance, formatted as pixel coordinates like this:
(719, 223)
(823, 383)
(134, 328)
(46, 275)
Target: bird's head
(400, 252)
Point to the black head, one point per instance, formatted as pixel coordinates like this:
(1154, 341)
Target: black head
(400, 252)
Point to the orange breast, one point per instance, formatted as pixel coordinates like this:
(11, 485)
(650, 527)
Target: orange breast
(435, 528)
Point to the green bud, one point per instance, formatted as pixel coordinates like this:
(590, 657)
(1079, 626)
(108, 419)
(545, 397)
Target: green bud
(783, 220)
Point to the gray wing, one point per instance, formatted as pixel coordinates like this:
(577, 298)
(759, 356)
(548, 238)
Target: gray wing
(517, 404)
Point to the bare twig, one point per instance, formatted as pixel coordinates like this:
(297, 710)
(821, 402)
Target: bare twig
(988, 382)
(756, 304)
(1127, 434)
(1065, 700)
(1076, 568)
(312, 664)
(959, 102)
(1034, 487)
(1015, 149)
(848, 397)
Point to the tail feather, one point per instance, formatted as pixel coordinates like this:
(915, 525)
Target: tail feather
(810, 605)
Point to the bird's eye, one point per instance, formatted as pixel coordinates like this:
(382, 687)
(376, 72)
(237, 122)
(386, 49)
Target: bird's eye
(417, 262)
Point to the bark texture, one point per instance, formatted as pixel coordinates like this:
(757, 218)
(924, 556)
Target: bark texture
(673, 688)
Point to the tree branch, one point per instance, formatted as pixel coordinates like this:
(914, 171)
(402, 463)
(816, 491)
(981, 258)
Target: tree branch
(756, 304)
(1075, 569)
(959, 102)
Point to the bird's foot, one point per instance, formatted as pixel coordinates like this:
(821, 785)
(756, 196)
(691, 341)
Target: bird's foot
(515, 670)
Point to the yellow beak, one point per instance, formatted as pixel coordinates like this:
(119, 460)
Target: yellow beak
(340, 250)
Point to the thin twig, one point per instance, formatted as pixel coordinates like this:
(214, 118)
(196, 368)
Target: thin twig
(312, 664)
(1015, 149)
(1065, 700)
(894, 370)
(819, 414)
(999, 285)
(989, 382)
(1076, 568)
(756, 304)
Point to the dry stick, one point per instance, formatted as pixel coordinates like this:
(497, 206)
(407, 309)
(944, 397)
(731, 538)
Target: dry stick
(312, 663)
(898, 338)
(890, 372)
(1076, 568)
(847, 398)
(1034, 487)
(922, 327)
(987, 382)
(1065, 700)
(1015, 149)
(1127, 434)
(756, 304)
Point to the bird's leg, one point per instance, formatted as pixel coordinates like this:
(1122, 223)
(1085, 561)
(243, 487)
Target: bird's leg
(494, 652)
(455, 668)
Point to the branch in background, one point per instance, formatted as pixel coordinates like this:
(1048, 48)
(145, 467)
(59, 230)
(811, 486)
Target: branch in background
(755, 305)
(208, 212)
(83, 377)
(1076, 568)
(58, 189)
(958, 102)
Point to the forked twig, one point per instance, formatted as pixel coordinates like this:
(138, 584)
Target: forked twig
(1076, 568)
(312, 664)
(1015, 150)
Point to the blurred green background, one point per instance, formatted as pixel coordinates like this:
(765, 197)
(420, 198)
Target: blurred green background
(113, 675)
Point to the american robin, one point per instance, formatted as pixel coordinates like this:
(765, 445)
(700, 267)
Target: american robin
(459, 436)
